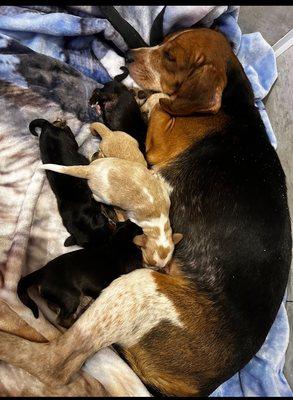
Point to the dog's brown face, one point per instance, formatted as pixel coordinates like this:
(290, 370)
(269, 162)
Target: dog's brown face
(190, 66)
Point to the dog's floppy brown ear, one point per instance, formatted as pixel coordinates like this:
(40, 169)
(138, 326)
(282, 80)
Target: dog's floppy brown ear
(140, 240)
(177, 237)
(199, 93)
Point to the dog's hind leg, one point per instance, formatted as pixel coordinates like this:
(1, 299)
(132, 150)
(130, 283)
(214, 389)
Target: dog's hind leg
(124, 312)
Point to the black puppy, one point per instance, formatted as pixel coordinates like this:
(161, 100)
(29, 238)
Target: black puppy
(65, 279)
(81, 214)
(119, 109)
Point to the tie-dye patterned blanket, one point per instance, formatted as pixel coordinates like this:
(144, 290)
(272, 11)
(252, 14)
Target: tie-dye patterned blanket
(51, 59)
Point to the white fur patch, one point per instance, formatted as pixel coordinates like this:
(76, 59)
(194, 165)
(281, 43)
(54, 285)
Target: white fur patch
(126, 310)
(160, 224)
(110, 370)
(164, 183)
(156, 222)
(103, 177)
(148, 195)
(156, 76)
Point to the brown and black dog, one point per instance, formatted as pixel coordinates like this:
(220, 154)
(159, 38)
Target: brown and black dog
(186, 332)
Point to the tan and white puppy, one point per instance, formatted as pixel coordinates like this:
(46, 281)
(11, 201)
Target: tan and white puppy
(116, 144)
(143, 195)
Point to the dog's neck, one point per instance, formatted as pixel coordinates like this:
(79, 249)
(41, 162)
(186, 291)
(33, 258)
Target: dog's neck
(238, 94)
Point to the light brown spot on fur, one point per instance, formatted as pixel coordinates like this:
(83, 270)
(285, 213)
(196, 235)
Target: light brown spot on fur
(167, 136)
(167, 226)
(163, 251)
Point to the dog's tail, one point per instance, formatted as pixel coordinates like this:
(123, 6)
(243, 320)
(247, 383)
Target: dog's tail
(79, 171)
(38, 123)
(22, 290)
(99, 129)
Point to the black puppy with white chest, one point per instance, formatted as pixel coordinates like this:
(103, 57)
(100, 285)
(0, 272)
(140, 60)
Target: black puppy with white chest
(81, 214)
(64, 280)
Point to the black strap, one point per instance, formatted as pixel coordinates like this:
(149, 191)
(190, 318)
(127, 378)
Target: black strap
(131, 37)
(156, 34)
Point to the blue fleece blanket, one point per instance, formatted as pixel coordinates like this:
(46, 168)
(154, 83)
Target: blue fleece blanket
(79, 36)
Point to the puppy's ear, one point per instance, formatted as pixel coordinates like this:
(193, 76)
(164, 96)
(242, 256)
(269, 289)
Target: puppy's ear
(177, 237)
(140, 240)
(70, 241)
(200, 92)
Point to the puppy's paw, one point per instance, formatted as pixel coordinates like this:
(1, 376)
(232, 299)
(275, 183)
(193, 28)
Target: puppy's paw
(151, 102)
(141, 95)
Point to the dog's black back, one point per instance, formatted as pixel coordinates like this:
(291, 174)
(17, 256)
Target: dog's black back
(80, 213)
(63, 280)
(236, 248)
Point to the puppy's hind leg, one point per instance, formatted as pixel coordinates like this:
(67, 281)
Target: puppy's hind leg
(124, 312)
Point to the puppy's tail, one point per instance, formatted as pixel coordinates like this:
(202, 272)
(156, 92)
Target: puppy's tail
(79, 171)
(38, 123)
(22, 290)
(99, 129)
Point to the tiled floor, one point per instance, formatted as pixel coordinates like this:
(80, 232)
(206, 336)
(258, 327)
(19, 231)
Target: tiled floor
(279, 107)
(274, 22)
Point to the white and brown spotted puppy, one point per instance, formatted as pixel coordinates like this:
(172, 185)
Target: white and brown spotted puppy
(116, 144)
(143, 195)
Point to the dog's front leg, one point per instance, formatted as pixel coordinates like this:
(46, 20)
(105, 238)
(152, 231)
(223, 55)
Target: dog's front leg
(124, 312)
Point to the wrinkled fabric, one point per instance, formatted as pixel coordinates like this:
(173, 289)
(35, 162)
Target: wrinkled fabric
(51, 58)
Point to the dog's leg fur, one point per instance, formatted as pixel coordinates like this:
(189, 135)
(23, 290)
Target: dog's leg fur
(125, 311)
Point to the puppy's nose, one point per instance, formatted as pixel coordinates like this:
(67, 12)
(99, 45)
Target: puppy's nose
(129, 57)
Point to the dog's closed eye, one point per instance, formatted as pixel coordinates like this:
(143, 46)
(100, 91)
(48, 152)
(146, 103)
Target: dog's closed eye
(169, 56)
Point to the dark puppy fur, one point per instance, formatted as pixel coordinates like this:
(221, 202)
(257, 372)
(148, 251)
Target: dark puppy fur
(81, 214)
(64, 280)
(119, 109)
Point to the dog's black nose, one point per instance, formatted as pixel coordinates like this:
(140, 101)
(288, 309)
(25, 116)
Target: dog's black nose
(129, 57)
